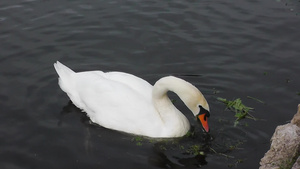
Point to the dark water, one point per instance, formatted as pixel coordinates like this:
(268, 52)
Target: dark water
(229, 49)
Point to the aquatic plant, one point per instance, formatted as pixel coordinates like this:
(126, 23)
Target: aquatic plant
(256, 99)
(195, 150)
(241, 111)
(138, 140)
(190, 133)
(235, 164)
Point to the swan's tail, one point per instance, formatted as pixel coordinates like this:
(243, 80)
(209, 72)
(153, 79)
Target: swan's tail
(67, 83)
(62, 70)
(65, 76)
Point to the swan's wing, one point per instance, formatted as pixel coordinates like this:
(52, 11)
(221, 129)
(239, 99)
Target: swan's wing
(116, 101)
(138, 84)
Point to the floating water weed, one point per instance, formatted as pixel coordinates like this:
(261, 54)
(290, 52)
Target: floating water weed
(256, 99)
(241, 111)
(195, 150)
(138, 140)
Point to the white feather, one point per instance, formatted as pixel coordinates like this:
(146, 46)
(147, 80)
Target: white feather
(124, 102)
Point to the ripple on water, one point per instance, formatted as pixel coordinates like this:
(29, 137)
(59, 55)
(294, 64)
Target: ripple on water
(227, 49)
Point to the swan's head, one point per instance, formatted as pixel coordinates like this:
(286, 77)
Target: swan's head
(200, 110)
(202, 117)
(197, 103)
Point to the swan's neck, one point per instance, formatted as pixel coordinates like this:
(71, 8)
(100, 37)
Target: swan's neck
(172, 118)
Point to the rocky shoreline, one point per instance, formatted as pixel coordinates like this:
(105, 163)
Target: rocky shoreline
(285, 146)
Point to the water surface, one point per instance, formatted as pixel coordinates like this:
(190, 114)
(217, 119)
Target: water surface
(227, 49)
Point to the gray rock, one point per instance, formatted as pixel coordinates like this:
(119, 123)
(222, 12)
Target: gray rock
(296, 118)
(297, 164)
(285, 146)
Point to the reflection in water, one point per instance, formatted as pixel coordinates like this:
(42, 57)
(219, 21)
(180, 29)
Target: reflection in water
(180, 153)
(189, 151)
(223, 47)
(71, 108)
(162, 161)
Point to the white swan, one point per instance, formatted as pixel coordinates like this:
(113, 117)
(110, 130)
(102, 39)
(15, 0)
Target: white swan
(127, 103)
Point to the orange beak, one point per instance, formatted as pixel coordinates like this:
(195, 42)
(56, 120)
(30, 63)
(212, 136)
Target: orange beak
(203, 120)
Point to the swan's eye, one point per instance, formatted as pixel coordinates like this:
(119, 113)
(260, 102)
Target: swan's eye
(204, 111)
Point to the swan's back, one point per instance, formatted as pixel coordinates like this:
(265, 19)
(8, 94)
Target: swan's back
(114, 100)
(134, 82)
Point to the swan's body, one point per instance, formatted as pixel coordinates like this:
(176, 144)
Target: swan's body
(127, 103)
